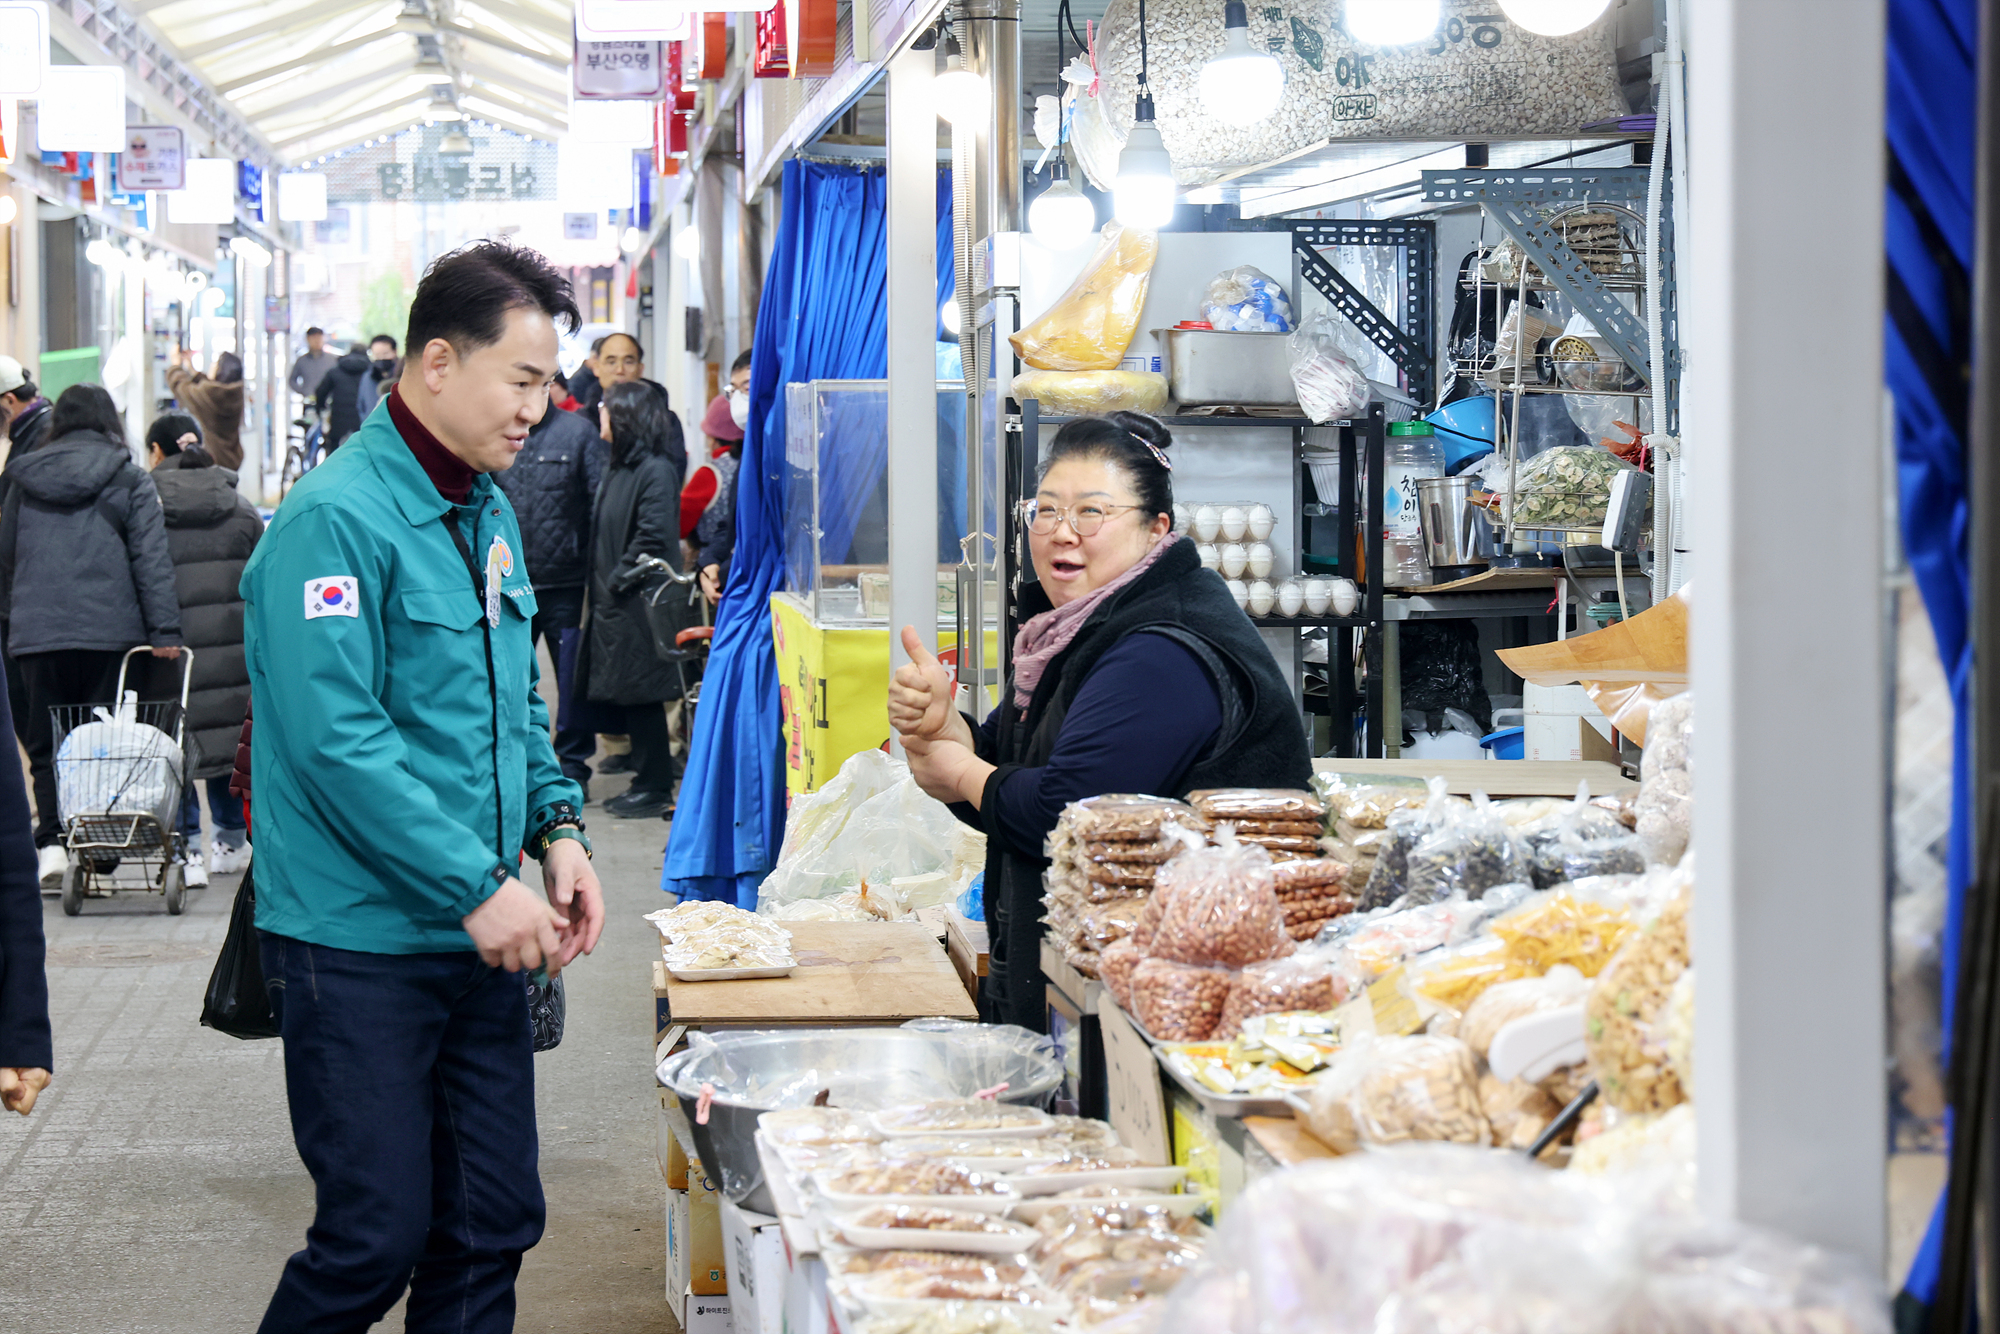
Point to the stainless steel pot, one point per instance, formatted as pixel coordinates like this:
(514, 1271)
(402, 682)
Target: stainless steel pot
(858, 1068)
(1458, 535)
(1247, 370)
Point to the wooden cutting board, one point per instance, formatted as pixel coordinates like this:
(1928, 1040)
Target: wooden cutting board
(849, 973)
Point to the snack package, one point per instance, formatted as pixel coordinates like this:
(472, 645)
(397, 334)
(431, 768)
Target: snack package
(1664, 812)
(1465, 851)
(1091, 325)
(1246, 299)
(1277, 986)
(1403, 830)
(1679, 1023)
(1367, 800)
(1581, 840)
(1114, 968)
(1121, 818)
(1504, 1002)
(1178, 1002)
(1517, 1111)
(1582, 926)
(1092, 393)
(1416, 1088)
(1623, 1029)
(1259, 803)
(1329, 386)
(1221, 908)
(1371, 944)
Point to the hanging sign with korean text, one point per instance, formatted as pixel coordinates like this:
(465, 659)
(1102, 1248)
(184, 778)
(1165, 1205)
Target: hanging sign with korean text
(155, 158)
(634, 71)
(409, 168)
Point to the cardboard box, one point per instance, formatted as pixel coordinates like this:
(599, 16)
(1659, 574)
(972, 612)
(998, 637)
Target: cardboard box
(757, 1269)
(677, 1249)
(1556, 699)
(708, 1270)
(1568, 737)
(707, 1315)
(667, 1145)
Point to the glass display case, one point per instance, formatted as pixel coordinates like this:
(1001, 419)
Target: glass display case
(837, 498)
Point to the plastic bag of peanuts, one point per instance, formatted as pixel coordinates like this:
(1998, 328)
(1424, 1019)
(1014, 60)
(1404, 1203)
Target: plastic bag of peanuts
(1218, 908)
(1179, 1002)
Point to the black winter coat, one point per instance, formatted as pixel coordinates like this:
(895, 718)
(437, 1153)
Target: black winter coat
(553, 485)
(25, 1040)
(339, 393)
(638, 514)
(1261, 744)
(83, 551)
(211, 531)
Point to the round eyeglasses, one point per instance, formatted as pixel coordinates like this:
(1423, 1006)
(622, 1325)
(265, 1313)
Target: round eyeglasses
(1083, 520)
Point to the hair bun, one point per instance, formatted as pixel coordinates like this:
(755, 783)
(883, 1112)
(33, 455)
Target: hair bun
(1145, 427)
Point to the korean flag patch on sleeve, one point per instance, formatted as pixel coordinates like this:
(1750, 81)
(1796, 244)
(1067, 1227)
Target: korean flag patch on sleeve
(335, 595)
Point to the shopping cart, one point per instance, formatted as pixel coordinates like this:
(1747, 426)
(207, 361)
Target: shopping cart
(120, 771)
(672, 600)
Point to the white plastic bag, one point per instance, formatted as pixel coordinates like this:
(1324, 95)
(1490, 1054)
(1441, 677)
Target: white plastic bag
(119, 766)
(1329, 386)
(869, 826)
(1246, 299)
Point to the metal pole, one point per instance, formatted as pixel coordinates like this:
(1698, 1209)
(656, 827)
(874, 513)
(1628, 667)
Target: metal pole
(1789, 925)
(912, 243)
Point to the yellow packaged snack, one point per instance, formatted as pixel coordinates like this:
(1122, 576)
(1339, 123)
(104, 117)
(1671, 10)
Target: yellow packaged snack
(1090, 327)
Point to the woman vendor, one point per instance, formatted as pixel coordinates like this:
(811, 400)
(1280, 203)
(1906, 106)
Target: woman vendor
(1134, 671)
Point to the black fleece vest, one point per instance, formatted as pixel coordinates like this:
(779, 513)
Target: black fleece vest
(1261, 742)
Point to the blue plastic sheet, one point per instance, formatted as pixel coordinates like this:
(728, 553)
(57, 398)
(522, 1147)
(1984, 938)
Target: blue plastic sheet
(1932, 95)
(822, 316)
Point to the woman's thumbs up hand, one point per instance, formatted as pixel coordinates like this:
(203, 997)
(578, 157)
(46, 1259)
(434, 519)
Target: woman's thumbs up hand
(920, 703)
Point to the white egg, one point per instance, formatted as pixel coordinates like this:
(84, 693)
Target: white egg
(1235, 523)
(1183, 517)
(1319, 595)
(1260, 559)
(1291, 598)
(1234, 560)
(1346, 597)
(1211, 557)
(1261, 522)
(1262, 598)
(1238, 591)
(1207, 523)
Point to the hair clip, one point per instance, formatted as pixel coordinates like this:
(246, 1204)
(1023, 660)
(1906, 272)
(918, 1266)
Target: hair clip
(1159, 455)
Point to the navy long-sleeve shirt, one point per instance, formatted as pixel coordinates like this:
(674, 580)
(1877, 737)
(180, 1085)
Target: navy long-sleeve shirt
(24, 987)
(1141, 720)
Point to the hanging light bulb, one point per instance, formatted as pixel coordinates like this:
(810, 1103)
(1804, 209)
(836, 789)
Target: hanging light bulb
(962, 97)
(1241, 86)
(1392, 22)
(1553, 18)
(687, 244)
(1143, 193)
(631, 240)
(1061, 218)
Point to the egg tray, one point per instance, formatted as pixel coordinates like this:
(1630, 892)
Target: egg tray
(1186, 514)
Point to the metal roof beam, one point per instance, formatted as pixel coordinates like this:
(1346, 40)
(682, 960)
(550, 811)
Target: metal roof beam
(502, 44)
(297, 20)
(534, 20)
(529, 125)
(497, 90)
(379, 112)
(403, 88)
(319, 57)
(556, 89)
(320, 97)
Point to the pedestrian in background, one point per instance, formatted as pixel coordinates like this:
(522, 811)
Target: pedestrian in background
(340, 395)
(585, 386)
(553, 485)
(27, 1053)
(211, 531)
(622, 360)
(708, 501)
(383, 368)
(637, 516)
(403, 767)
(84, 574)
(312, 364)
(216, 401)
(22, 408)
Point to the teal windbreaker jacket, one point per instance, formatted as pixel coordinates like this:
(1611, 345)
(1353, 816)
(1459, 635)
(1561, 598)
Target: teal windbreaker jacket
(401, 754)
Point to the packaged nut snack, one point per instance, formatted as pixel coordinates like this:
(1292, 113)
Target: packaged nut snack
(1419, 1088)
(1134, 853)
(1221, 908)
(1366, 801)
(1302, 982)
(1304, 846)
(1464, 852)
(1120, 873)
(1390, 879)
(1277, 828)
(1581, 840)
(1664, 812)
(1177, 1002)
(1624, 1031)
(1308, 873)
(1114, 968)
(1258, 803)
(1119, 818)
(1504, 1002)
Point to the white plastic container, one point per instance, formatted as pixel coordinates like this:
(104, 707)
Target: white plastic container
(1319, 596)
(1260, 560)
(1211, 555)
(1262, 521)
(1291, 598)
(1262, 598)
(1207, 523)
(1240, 591)
(1235, 523)
(1234, 560)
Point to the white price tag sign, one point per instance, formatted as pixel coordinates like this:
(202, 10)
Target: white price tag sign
(1134, 1102)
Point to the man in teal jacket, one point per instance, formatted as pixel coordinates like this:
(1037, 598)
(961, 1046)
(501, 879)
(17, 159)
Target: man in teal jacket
(402, 765)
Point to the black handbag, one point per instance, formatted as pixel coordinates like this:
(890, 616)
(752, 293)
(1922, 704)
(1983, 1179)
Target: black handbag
(236, 1002)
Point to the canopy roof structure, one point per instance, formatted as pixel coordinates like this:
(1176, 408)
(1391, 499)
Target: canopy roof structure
(314, 76)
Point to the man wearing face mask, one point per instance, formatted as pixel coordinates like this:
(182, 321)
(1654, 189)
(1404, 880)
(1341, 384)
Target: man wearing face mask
(708, 501)
(383, 368)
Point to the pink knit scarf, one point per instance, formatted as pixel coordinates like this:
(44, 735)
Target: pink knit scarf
(1043, 637)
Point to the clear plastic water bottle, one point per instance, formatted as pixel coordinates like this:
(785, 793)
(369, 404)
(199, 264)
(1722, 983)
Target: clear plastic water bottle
(1411, 453)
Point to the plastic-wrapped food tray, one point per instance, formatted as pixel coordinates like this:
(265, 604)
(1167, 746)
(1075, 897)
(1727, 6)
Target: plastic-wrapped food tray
(1040, 1124)
(728, 974)
(1031, 1210)
(964, 1204)
(1138, 1178)
(1233, 1105)
(1017, 1238)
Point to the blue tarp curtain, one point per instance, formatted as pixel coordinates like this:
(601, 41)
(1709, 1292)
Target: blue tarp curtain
(1932, 96)
(822, 317)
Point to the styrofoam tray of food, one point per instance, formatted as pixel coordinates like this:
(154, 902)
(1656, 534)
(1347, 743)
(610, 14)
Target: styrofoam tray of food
(1134, 1178)
(963, 1118)
(891, 1228)
(1031, 1210)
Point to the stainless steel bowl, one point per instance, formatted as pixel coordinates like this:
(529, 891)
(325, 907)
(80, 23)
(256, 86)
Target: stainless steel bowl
(863, 1069)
